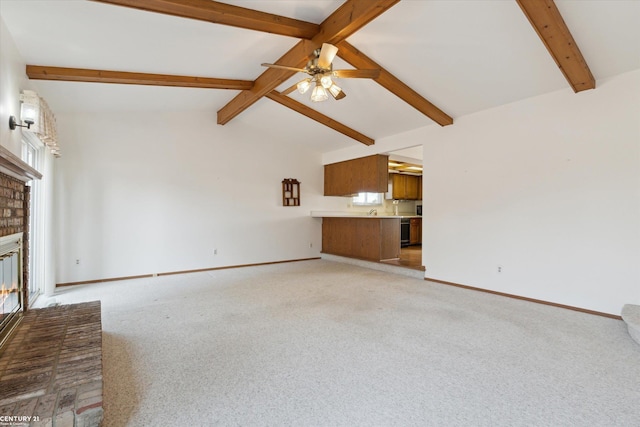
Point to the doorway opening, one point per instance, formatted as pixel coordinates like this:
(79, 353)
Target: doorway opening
(410, 208)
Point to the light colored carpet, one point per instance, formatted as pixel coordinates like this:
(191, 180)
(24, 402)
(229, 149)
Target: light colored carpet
(321, 343)
(631, 315)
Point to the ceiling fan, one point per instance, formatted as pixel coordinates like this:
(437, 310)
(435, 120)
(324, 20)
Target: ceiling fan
(321, 70)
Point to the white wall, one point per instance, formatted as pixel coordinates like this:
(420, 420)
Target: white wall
(381, 146)
(12, 80)
(548, 188)
(152, 193)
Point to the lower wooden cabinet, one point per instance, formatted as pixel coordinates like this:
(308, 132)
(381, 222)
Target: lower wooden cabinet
(371, 238)
(415, 231)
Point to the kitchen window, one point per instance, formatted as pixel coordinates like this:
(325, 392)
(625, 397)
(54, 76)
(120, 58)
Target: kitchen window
(368, 199)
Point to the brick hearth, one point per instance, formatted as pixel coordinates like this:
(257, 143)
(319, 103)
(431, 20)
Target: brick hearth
(51, 368)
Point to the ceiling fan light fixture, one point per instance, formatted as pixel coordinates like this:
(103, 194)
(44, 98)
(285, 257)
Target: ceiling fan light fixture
(319, 94)
(335, 90)
(304, 85)
(326, 82)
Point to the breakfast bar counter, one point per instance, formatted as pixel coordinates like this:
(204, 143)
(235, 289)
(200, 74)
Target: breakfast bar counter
(362, 236)
(364, 215)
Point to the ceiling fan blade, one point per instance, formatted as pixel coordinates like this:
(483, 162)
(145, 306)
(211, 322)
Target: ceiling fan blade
(284, 67)
(288, 90)
(339, 96)
(356, 74)
(327, 53)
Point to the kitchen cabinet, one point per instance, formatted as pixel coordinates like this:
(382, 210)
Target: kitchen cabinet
(363, 175)
(406, 187)
(412, 188)
(370, 238)
(415, 231)
(398, 186)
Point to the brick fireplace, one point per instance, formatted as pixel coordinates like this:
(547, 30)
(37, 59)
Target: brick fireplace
(14, 221)
(11, 278)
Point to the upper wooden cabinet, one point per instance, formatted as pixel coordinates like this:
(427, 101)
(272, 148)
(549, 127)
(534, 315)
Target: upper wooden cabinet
(363, 175)
(406, 187)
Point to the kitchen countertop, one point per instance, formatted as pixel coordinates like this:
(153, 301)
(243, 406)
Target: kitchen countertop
(342, 214)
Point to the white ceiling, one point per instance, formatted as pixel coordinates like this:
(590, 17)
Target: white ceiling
(464, 56)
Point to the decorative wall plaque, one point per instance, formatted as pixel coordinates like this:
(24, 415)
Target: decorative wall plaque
(290, 192)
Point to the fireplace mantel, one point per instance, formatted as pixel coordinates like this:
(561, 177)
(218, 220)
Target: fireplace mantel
(12, 165)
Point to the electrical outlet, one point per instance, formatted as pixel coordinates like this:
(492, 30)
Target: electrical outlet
(77, 261)
(215, 252)
(499, 269)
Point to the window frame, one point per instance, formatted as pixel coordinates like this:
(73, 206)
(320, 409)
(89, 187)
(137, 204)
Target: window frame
(33, 153)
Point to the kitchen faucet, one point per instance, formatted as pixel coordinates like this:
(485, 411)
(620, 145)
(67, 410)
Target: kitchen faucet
(373, 212)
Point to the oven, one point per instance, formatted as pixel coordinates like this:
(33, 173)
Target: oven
(405, 232)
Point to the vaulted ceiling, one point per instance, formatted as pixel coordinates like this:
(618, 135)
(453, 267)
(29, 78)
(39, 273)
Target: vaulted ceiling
(439, 59)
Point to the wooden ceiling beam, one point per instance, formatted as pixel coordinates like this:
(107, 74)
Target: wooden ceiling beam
(296, 57)
(225, 14)
(546, 19)
(318, 117)
(387, 80)
(342, 23)
(39, 72)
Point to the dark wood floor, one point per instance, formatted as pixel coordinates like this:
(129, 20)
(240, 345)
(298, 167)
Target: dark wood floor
(410, 257)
